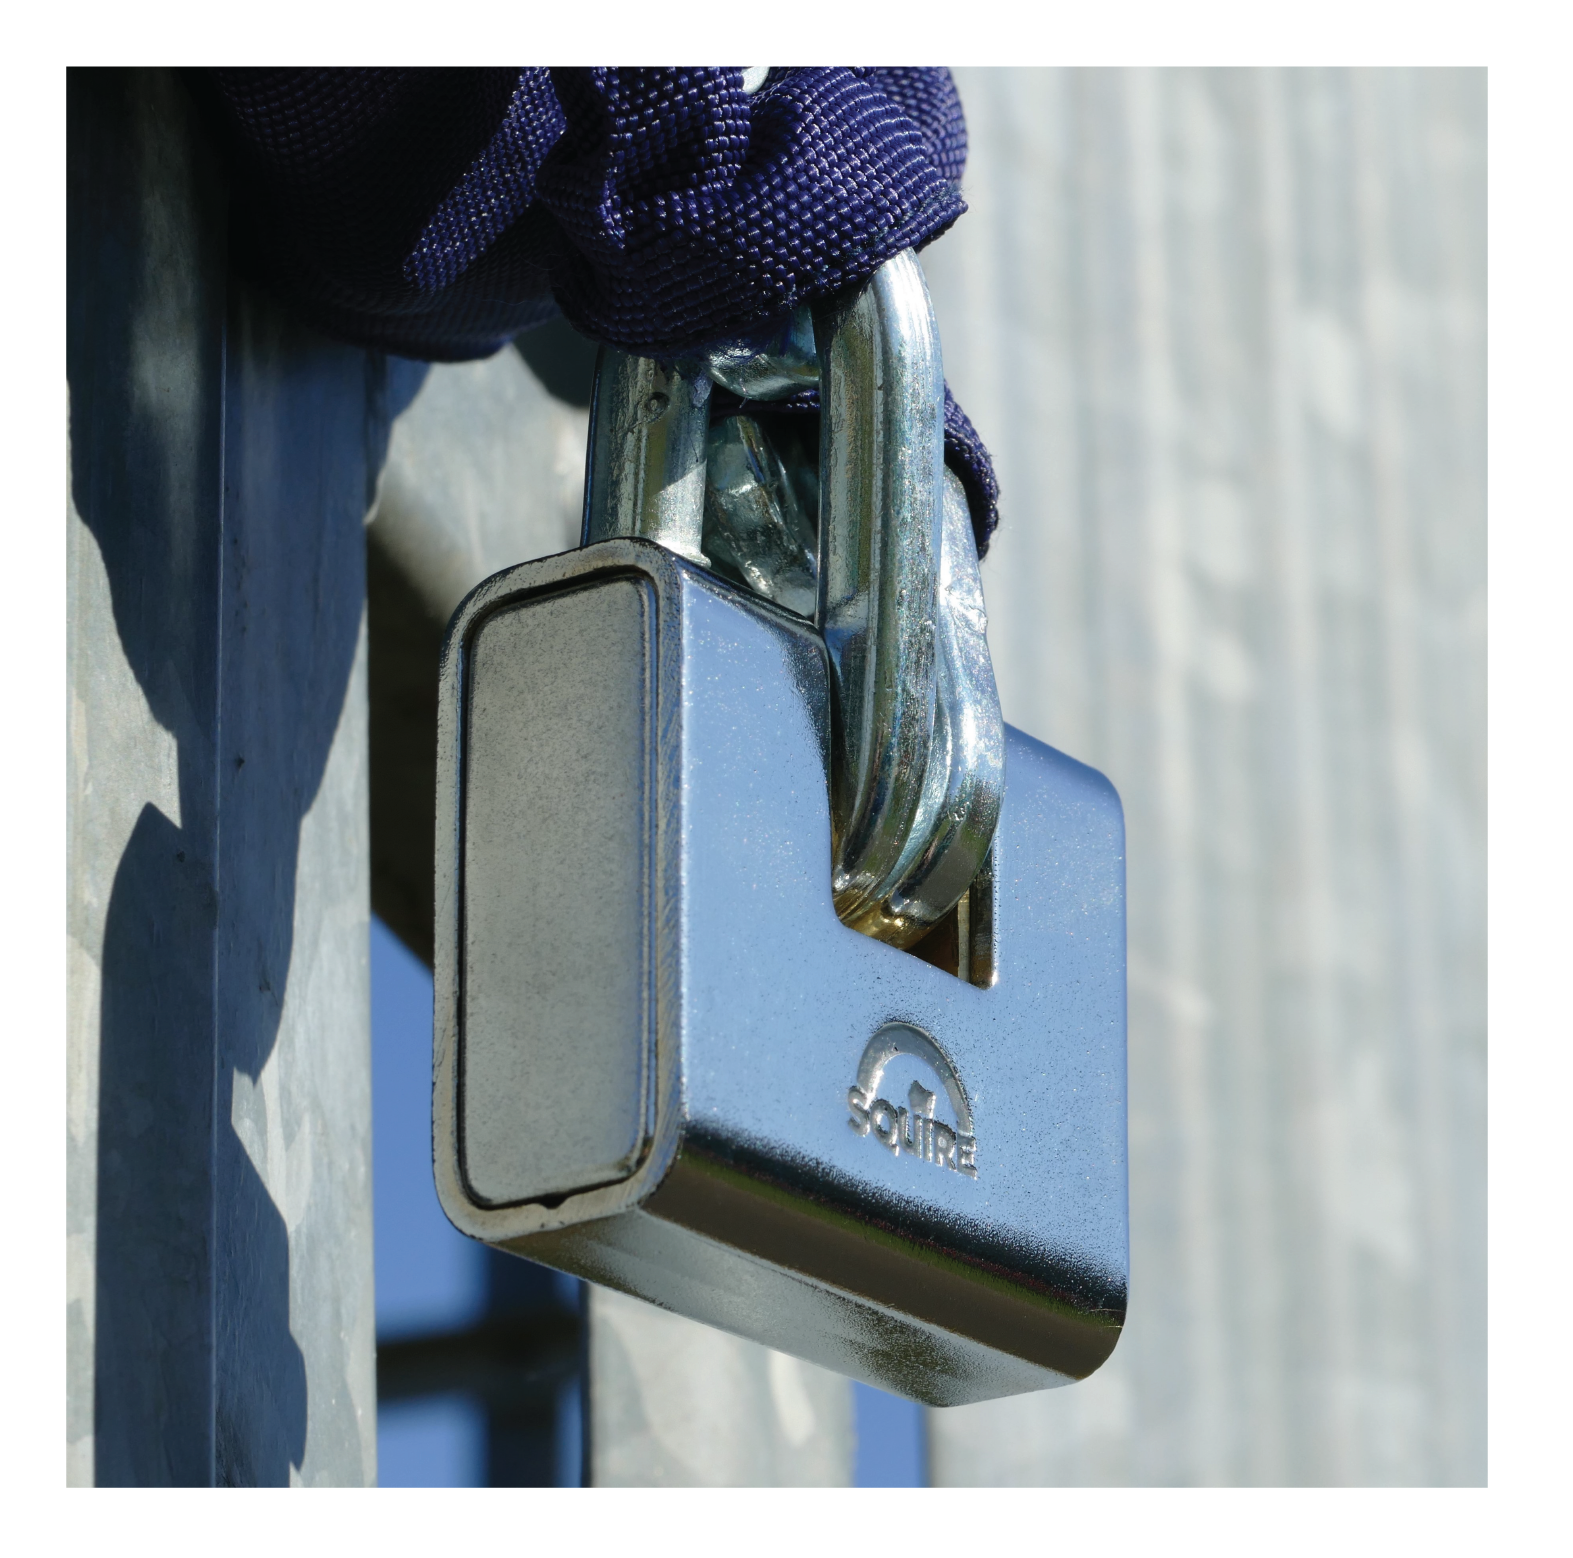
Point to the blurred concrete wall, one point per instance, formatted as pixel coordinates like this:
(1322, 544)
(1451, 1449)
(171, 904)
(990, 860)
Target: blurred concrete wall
(1224, 333)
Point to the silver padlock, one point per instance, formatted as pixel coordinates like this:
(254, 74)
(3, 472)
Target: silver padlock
(663, 1061)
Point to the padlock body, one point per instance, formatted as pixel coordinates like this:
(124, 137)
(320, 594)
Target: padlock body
(663, 1064)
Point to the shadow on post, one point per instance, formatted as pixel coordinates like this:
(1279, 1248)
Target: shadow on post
(223, 460)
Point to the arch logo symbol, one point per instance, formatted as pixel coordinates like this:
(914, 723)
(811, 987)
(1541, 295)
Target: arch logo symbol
(913, 1130)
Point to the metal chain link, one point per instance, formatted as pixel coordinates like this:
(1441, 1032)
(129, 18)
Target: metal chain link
(869, 535)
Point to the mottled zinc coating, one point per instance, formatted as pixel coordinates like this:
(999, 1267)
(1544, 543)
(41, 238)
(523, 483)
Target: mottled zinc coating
(220, 1270)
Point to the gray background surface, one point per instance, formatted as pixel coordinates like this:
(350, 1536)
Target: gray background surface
(1224, 333)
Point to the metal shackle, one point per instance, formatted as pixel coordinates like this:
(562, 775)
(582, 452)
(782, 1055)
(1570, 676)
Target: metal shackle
(645, 465)
(917, 770)
(919, 744)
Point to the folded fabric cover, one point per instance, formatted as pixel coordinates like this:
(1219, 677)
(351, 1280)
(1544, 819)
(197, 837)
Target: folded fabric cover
(437, 213)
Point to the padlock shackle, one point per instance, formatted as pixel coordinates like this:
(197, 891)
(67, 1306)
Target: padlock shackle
(917, 765)
(965, 780)
(645, 461)
(918, 744)
(881, 458)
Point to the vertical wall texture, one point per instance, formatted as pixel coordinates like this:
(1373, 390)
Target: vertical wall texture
(219, 1203)
(1224, 332)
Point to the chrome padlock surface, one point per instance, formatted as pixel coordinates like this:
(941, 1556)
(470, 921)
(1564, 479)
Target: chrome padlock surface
(663, 1062)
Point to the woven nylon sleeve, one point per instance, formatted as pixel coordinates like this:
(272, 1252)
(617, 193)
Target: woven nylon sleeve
(694, 211)
(437, 213)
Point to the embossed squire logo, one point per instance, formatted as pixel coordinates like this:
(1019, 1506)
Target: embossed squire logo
(914, 1130)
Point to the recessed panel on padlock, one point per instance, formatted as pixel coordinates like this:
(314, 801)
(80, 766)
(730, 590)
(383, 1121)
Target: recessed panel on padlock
(664, 1064)
(555, 1071)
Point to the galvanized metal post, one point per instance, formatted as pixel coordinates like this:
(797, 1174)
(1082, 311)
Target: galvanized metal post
(222, 463)
(677, 1404)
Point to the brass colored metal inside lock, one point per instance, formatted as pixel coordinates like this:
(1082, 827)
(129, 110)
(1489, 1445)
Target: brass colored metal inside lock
(962, 942)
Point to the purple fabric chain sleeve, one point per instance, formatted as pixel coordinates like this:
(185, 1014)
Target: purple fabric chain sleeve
(437, 213)
(692, 211)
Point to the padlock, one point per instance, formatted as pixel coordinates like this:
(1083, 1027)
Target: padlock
(664, 1061)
